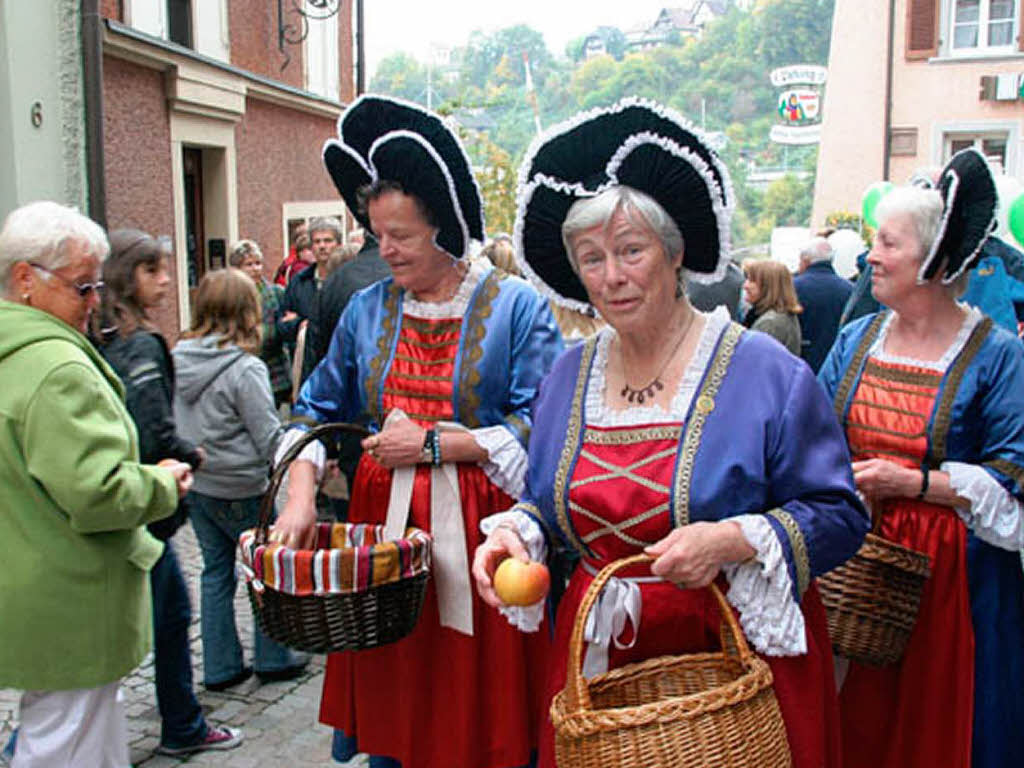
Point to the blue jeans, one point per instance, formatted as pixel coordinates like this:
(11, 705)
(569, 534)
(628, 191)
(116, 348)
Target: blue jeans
(181, 718)
(218, 524)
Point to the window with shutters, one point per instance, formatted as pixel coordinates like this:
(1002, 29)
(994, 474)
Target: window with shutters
(976, 27)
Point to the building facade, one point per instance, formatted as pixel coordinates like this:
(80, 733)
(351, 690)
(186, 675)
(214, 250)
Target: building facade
(212, 131)
(212, 124)
(953, 73)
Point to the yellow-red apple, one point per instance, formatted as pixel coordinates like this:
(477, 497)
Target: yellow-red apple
(519, 583)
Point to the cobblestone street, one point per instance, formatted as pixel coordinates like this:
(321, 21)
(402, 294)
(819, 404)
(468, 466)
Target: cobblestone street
(279, 720)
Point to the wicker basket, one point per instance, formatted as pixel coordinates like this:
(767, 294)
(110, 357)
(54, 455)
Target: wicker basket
(337, 621)
(871, 601)
(704, 710)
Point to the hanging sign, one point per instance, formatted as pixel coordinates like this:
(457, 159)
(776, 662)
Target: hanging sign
(799, 104)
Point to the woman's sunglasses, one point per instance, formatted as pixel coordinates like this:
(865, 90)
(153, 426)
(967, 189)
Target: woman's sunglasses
(82, 289)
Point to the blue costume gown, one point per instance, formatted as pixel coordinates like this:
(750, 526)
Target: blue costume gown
(977, 418)
(758, 438)
(480, 369)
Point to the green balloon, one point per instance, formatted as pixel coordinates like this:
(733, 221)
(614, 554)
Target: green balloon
(872, 196)
(1015, 218)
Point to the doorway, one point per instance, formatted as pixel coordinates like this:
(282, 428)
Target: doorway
(192, 163)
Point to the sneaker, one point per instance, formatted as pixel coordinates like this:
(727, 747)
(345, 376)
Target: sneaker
(231, 682)
(216, 738)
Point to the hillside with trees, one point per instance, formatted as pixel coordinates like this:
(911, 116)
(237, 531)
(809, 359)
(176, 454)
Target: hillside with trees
(719, 81)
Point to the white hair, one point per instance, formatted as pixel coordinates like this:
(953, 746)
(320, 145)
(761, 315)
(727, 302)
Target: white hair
(923, 206)
(45, 233)
(589, 212)
(818, 249)
(324, 224)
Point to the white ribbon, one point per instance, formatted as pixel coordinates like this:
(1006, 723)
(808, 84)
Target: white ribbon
(619, 601)
(449, 559)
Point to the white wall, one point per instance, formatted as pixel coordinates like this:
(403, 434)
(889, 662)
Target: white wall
(40, 61)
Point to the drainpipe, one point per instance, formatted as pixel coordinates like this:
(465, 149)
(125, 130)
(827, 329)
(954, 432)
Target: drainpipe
(92, 74)
(890, 68)
(360, 50)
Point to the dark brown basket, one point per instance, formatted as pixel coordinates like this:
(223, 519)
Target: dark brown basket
(334, 622)
(702, 710)
(871, 601)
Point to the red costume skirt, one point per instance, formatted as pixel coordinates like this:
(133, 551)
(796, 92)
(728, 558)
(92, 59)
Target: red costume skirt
(438, 698)
(919, 712)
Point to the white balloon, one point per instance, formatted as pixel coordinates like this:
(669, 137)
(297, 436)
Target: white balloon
(847, 245)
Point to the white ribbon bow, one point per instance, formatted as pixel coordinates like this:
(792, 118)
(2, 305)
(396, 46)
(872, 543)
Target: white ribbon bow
(619, 600)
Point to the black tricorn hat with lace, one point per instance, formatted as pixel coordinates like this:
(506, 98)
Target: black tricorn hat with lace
(635, 143)
(969, 202)
(382, 138)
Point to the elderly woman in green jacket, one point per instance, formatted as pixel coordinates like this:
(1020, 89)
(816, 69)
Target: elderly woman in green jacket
(74, 586)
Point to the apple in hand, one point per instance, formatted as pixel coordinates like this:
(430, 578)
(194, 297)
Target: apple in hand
(519, 583)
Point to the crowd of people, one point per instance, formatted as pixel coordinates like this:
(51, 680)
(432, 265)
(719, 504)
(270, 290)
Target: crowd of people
(604, 382)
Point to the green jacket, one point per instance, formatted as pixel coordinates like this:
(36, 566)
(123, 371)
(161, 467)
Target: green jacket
(74, 561)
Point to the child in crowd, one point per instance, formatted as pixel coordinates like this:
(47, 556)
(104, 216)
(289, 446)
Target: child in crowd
(224, 402)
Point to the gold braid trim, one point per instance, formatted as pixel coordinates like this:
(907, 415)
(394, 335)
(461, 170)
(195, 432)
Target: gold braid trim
(631, 436)
(701, 406)
(473, 350)
(853, 369)
(534, 512)
(375, 369)
(944, 411)
(1013, 471)
(917, 379)
(435, 327)
(799, 547)
(520, 427)
(572, 439)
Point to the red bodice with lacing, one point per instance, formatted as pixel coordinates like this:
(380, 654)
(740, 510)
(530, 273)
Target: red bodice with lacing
(619, 498)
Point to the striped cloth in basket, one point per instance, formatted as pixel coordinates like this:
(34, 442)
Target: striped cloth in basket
(346, 558)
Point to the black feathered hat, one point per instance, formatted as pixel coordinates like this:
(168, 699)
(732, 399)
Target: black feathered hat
(969, 201)
(635, 143)
(381, 138)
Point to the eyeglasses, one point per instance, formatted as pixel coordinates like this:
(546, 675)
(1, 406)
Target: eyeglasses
(82, 289)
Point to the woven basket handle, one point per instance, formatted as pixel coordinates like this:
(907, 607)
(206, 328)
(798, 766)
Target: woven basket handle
(277, 477)
(576, 687)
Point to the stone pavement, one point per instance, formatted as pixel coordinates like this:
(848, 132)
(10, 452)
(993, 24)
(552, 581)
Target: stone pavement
(279, 719)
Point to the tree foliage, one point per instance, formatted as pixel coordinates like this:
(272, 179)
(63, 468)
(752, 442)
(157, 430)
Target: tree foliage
(720, 81)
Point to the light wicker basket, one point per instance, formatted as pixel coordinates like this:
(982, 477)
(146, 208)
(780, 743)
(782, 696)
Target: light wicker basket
(871, 601)
(703, 710)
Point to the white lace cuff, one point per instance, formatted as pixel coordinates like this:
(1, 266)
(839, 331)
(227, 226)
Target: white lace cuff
(762, 591)
(506, 459)
(994, 515)
(525, 618)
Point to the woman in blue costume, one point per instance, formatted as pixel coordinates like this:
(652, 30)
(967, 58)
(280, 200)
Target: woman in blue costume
(931, 395)
(442, 361)
(671, 432)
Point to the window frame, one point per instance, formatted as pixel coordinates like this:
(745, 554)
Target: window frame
(949, 29)
(978, 130)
